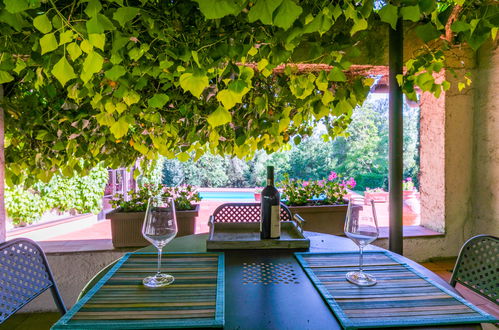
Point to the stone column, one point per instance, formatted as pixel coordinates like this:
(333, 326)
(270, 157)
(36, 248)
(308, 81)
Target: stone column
(485, 181)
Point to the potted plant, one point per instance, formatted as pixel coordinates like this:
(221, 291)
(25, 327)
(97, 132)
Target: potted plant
(321, 203)
(128, 216)
(412, 207)
(409, 191)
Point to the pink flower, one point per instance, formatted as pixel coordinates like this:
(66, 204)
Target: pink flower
(305, 183)
(332, 176)
(351, 183)
(321, 183)
(408, 180)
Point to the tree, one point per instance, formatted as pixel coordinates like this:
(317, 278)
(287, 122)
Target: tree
(312, 158)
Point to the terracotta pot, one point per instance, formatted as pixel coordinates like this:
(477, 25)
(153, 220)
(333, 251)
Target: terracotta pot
(379, 196)
(412, 207)
(328, 219)
(126, 227)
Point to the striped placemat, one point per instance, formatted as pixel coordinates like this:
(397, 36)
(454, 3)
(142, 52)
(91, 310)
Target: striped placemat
(120, 301)
(402, 296)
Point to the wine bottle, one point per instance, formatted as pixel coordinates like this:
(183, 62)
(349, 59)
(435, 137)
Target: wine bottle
(270, 225)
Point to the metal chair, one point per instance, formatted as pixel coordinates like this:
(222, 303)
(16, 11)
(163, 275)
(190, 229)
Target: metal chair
(477, 266)
(24, 275)
(244, 212)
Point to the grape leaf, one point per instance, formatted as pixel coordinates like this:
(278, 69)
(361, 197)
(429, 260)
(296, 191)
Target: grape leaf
(97, 40)
(263, 10)
(92, 64)
(125, 14)
(219, 117)
(286, 14)
(86, 46)
(115, 72)
(131, 97)
(229, 98)
(119, 128)
(74, 50)
(93, 8)
(42, 24)
(359, 25)
(193, 83)
(48, 43)
(388, 14)
(411, 13)
(65, 37)
(213, 9)
(427, 32)
(63, 71)
(460, 26)
(98, 24)
(336, 74)
(16, 6)
(158, 101)
(5, 77)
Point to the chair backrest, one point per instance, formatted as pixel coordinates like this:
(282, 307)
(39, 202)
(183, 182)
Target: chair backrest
(245, 212)
(477, 266)
(24, 274)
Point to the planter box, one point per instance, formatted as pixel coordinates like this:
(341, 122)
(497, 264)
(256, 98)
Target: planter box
(186, 221)
(126, 227)
(328, 219)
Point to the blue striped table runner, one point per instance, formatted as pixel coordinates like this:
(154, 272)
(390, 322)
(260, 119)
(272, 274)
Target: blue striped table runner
(402, 296)
(120, 301)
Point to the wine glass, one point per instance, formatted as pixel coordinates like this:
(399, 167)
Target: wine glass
(159, 228)
(361, 226)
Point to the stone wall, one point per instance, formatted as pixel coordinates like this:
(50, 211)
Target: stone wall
(485, 198)
(446, 163)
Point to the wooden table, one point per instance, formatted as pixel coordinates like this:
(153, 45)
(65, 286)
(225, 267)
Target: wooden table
(292, 303)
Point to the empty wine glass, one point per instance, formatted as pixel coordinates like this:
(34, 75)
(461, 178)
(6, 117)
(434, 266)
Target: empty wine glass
(361, 226)
(159, 228)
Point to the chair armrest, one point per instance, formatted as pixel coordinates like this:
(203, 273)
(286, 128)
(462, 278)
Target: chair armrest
(299, 222)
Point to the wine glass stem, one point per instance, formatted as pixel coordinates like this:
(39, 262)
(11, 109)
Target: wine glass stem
(159, 261)
(361, 259)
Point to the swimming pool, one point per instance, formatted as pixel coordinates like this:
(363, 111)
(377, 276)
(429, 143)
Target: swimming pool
(228, 196)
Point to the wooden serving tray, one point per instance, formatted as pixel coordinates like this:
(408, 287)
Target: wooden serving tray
(246, 235)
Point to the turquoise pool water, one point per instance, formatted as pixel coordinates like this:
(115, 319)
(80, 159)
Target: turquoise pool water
(229, 196)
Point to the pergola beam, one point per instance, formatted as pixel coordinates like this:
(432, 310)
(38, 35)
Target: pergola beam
(396, 125)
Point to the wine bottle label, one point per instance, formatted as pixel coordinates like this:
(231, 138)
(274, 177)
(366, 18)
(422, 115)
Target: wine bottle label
(275, 224)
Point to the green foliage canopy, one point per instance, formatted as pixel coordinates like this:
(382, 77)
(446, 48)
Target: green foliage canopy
(111, 80)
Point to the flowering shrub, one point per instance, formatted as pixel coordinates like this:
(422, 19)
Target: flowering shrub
(408, 184)
(328, 191)
(184, 197)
